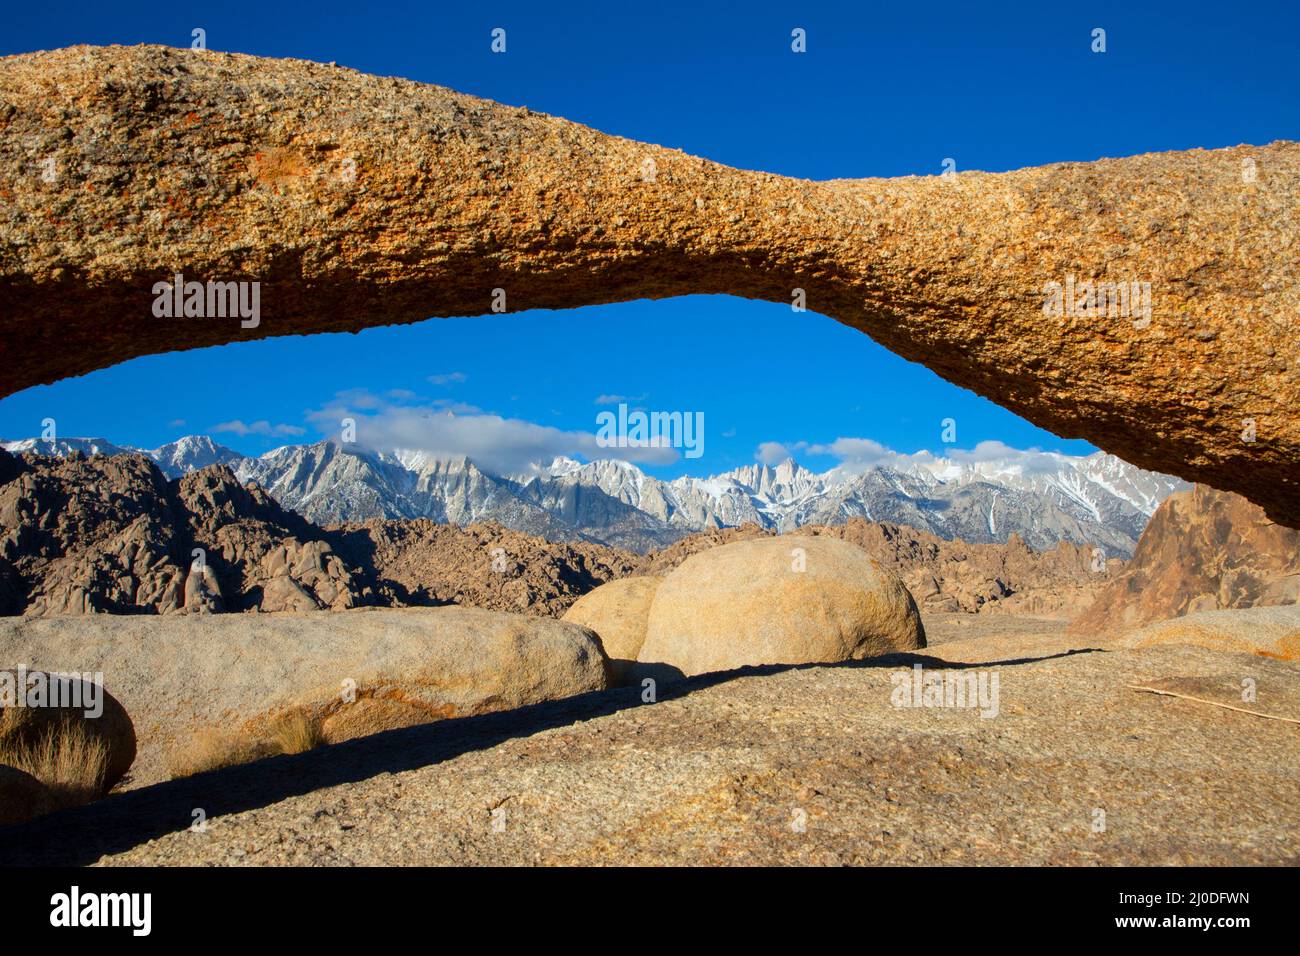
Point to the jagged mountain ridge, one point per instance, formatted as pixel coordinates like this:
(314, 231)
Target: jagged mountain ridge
(1044, 498)
(1096, 499)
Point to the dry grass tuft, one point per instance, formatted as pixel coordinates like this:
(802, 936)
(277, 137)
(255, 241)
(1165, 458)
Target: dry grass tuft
(68, 759)
(296, 733)
(212, 749)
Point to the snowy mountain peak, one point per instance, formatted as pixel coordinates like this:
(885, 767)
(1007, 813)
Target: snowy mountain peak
(562, 465)
(62, 447)
(985, 495)
(190, 454)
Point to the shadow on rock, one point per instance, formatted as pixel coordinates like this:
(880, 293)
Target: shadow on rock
(82, 835)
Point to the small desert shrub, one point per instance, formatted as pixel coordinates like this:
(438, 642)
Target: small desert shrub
(70, 760)
(296, 733)
(211, 749)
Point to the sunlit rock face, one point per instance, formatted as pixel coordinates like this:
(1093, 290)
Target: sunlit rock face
(1204, 550)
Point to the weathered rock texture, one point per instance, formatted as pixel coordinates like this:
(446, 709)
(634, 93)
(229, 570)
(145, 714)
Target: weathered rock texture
(111, 534)
(421, 563)
(1266, 631)
(358, 200)
(240, 674)
(782, 600)
(617, 612)
(1203, 550)
(720, 769)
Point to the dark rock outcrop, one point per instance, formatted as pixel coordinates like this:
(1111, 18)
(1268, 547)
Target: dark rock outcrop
(1204, 550)
(422, 563)
(110, 534)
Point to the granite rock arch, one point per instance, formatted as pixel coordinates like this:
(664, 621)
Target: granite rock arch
(356, 200)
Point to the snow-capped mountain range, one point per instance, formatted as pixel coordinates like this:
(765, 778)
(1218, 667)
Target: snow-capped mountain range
(1043, 497)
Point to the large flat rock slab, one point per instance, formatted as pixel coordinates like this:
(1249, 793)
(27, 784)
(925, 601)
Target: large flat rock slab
(181, 674)
(1267, 631)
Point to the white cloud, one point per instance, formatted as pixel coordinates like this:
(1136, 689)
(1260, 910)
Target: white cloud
(866, 451)
(450, 378)
(862, 454)
(450, 430)
(261, 427)
(772, 453)
(1032, 459)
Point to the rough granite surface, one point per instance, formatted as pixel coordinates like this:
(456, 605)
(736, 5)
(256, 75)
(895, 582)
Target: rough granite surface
(770, 766)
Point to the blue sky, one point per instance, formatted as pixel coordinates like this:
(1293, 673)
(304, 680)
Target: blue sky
(883, 90)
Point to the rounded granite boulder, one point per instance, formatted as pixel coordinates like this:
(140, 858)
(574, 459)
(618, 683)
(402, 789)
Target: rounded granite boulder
(783, 600)
(34, 705)
(617, 612)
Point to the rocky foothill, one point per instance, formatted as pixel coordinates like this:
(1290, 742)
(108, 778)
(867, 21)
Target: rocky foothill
(111, 534)
(1203, 550)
